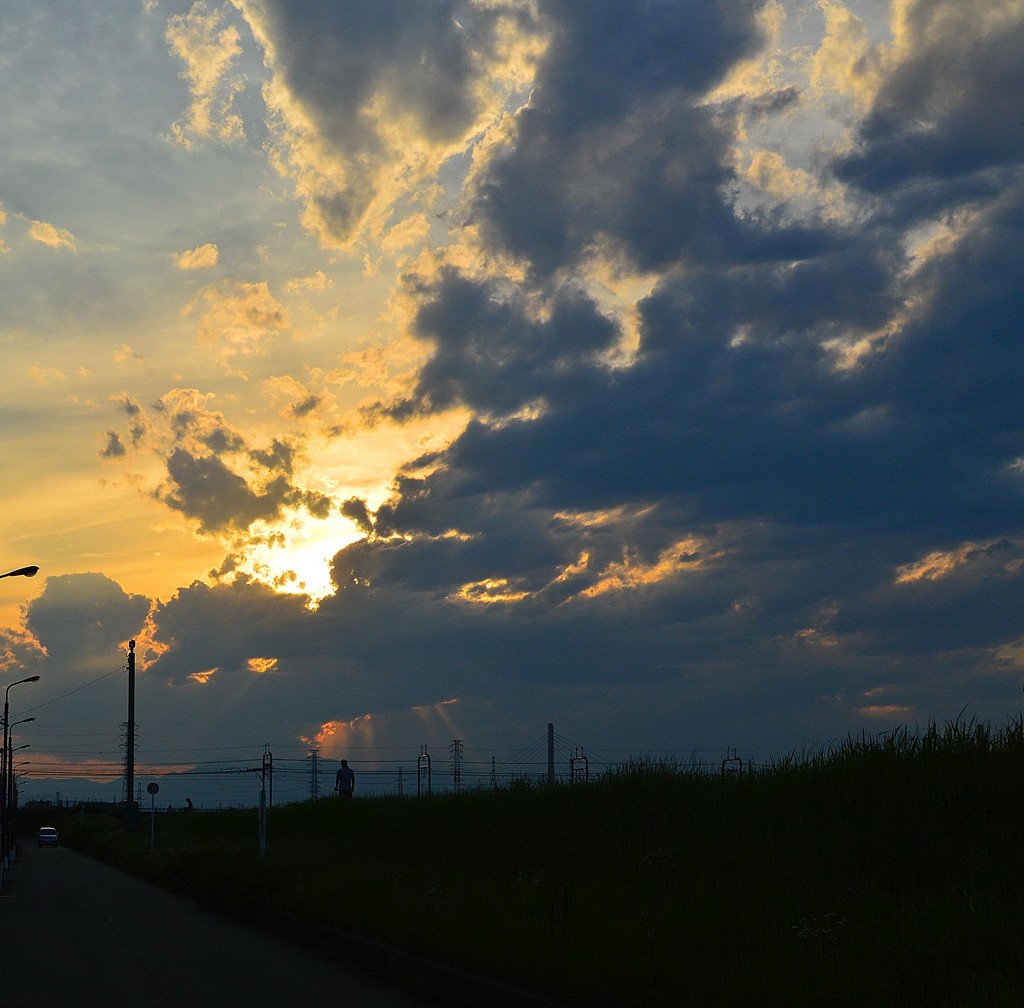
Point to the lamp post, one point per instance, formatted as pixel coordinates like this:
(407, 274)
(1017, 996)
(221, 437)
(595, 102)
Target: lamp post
(14, 800)
(4, 764)
(6, 833)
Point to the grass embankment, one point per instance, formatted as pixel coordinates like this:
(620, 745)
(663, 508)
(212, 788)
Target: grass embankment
(885, 872)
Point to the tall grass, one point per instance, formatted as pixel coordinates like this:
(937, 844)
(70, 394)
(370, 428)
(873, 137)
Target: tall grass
(882, 870)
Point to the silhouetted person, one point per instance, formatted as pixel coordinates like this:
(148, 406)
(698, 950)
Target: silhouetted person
(188, 805)
(344, 780)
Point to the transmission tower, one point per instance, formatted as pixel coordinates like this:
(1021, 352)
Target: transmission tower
(455, 750)
(314, 773)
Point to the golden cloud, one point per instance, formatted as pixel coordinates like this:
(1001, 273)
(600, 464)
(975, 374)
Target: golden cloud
(262, 665)
(55, 238)
(239, 318)
(203, 257)
(208, 51)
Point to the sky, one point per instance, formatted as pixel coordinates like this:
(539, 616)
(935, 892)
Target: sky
(396, 373)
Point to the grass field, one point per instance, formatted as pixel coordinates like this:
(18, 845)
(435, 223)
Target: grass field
(885, 871)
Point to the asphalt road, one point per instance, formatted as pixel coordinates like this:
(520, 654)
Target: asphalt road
(76, 932)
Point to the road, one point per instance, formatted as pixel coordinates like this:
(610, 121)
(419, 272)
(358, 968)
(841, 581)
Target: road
(75, 931)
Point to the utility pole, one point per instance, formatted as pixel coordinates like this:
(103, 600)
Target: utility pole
(266, 777)
(131, 808)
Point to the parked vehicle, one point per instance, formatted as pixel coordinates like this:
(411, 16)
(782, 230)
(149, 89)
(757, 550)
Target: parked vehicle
(48, 837)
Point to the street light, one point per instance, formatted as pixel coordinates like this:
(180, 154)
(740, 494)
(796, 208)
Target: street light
(22, 572)
(4, 765)
(14, 794)
(8, 820)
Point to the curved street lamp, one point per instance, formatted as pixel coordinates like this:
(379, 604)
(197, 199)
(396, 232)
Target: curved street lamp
(22, 572)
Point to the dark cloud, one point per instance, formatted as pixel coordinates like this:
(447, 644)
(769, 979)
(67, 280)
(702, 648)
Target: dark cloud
(306, 406)
(634, 156)
(489, 357)
(355, 509)
(138, 427)
(112, 447)
(206, 490)
(213, 476)
(279, 456)
(946, 125)
(786, 485)
(81, 620)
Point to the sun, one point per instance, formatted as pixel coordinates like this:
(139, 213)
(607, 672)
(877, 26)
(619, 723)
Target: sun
(294, 556)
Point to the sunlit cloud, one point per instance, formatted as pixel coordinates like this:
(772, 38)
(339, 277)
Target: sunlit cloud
(338, 732)
(886, 711)
(847, 62)
(239, 319)
(355, 148)
(19, 649)
(999, 555)
(316, 283)
(489, 592)
(51, 236)
(209, 49)
(201, 257)
(126, 356)
(631, 572)
(262, 665)
(47, 375)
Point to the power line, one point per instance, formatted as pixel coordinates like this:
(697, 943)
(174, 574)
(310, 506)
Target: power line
(78, 689)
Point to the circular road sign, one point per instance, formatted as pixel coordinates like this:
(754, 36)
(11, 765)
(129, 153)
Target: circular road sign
(152, 787)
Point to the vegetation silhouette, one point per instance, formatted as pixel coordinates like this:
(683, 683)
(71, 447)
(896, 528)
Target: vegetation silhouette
(882, 870)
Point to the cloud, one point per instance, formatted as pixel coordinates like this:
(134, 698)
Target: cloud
(711, 403)
(201, 257)
(51, 236)
(204, 488)
(488, 355)
(209, 49)
(747, 496)
(211, 475)
(113, 448)
(942, 120)
(82, 622)
(617, 144)
(239, 319)
(369, 99)
(846, 64)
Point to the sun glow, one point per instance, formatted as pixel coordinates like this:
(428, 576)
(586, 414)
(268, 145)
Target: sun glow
(296, 559)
